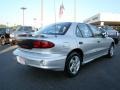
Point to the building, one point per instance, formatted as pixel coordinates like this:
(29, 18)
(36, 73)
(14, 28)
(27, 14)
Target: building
(101, 19)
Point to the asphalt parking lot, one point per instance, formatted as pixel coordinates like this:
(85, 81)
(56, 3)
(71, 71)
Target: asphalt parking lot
(101, 74)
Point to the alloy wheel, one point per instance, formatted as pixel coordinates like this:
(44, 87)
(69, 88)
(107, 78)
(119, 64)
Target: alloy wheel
(74, 64)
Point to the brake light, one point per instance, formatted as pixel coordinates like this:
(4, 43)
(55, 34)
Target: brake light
(42, 44)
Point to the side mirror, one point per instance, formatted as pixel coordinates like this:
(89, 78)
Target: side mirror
(104, 34)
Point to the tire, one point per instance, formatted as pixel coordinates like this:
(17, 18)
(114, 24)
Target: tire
(111, 51)
(116, 41)
(11, 44)
(73, 64)
(2, 41)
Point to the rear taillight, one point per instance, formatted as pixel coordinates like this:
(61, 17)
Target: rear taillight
(42, 44)
(27, 44)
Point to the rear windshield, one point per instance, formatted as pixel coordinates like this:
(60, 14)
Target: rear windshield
(55, 29)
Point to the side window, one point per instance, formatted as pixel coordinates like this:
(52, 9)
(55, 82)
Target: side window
(85, 30)
(95, 30)
(78, 32)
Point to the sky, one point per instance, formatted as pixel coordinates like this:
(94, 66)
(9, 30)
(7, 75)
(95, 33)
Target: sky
(11, 14)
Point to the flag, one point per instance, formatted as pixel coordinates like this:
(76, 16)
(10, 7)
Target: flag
(61, 10)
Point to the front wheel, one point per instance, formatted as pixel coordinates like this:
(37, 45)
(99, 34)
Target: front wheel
(116, 41)
(73, 64)
(111, 51)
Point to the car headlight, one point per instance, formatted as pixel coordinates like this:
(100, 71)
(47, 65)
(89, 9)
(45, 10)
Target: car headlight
(117, 34)
(12, 35)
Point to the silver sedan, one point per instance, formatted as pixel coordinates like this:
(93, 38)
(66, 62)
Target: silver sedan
(64, 46)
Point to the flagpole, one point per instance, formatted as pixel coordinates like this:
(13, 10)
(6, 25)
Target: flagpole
(41, 13)
(54, 11)
(74, 10)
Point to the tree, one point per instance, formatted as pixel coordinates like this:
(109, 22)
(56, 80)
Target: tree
(2, 26)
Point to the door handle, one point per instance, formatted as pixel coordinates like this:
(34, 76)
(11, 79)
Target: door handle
(80, 42)
(98, 41)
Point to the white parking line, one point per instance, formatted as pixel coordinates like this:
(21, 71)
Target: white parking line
(8, 49)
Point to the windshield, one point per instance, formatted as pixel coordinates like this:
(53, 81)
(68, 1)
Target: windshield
(54, 29)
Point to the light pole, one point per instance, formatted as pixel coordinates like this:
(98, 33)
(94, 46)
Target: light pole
(55, 10)
(41, 13)
(75, 10)
(7, 24)
(34, 22)
(23, 9)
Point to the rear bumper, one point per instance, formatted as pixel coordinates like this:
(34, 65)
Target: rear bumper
(38, 60)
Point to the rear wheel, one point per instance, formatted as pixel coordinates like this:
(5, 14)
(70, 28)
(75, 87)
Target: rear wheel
(73, 64)
(2, 41)
(111, 51)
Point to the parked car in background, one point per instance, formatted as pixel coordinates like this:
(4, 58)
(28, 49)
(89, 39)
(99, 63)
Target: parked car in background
(64, 46)
(4, 35)
(114, 34)
(22, 31)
